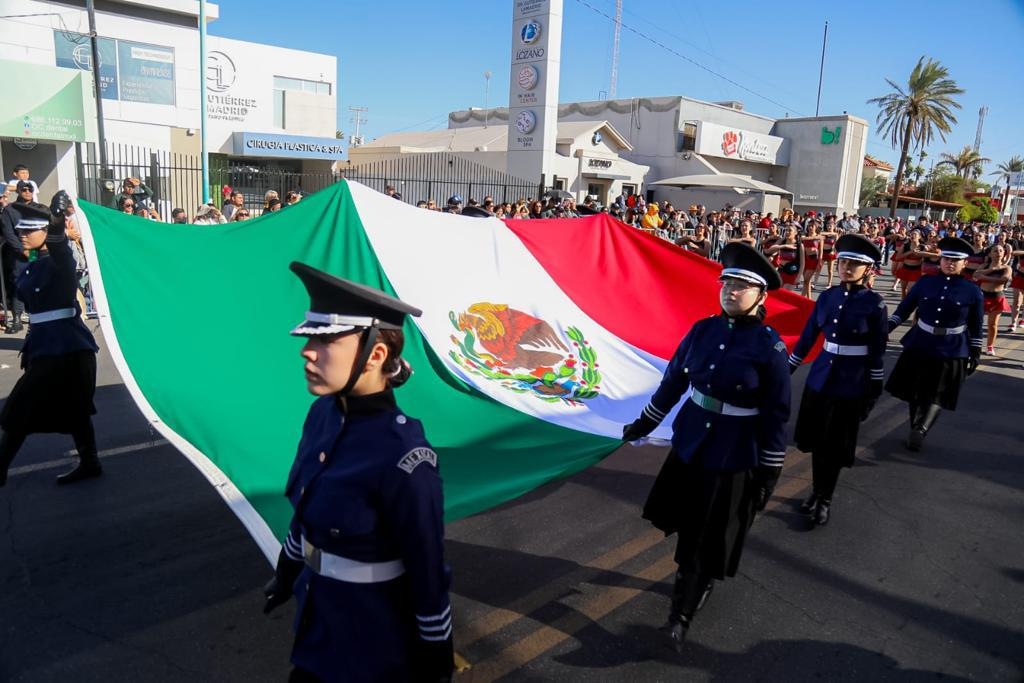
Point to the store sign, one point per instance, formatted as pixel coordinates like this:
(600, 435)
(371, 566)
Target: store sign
(129, 71)
(74, 51)
(735, 143)
(226, 100)
(533, 86)
(599, 163)
(287, 146)
(831, 137)
(145, 73)
(50, 102)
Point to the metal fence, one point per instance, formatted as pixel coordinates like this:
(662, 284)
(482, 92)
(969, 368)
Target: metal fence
(438, 176)
(175, 180)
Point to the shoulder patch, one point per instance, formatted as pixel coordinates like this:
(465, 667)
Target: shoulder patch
(417, 457)
(780, 346)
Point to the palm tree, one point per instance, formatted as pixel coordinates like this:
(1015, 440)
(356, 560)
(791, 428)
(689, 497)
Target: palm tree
(967, 160)
(915, 113)
(1007, 169)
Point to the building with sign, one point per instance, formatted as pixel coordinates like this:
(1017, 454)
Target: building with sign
(588, 155)
(816, 162)
(268, 108)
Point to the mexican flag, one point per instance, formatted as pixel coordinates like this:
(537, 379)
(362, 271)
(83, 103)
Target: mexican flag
(539, 339)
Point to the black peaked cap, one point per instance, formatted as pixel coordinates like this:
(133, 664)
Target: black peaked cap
(956, 244)
(741, 256)
(858, 244)
(330, 295)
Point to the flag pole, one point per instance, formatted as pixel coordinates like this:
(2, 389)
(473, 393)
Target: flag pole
(204, 153)
(821, 70)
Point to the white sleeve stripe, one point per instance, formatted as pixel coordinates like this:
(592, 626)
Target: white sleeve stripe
(654, 410)
(654, 416)
(895, 318)
(436, 617)
(427, 629)
(773, 452)
(437, 639)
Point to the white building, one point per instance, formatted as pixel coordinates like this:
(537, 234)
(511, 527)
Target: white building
(588, 154)
(816, 163)
(268, 107)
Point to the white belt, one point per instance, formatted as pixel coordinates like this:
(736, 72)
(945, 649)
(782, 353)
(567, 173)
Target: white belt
(840, 350)
(720, 407)
(351, 571)
(47, 316)
(941, 331)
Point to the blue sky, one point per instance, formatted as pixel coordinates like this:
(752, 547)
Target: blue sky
(411, 62)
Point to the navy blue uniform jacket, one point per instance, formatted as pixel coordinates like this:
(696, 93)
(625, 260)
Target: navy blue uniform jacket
(942, 301)
(743, 363)
(855, 317)
(367, 487)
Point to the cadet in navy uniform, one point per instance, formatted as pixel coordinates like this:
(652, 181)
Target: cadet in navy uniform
(846, 377)
(729, 437)
(365, 549)
(59, 355)
(943, 346)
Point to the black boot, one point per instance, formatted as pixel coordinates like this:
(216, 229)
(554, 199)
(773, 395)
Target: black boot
(924, 420)
(811, 502)
(9, 446)
(88, 466)
(822, 511)
(686, 593)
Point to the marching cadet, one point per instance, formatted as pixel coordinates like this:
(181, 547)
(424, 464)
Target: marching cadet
(364, 552)
(943, 346)
(59, 355)
(729, 437)
(846, 378)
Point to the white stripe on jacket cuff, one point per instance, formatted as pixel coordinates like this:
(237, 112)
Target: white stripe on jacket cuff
(652, 412)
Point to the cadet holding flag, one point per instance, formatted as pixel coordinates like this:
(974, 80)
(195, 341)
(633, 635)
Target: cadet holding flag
(365, 549)
(846, 377)
(729, 438)
(944, 345)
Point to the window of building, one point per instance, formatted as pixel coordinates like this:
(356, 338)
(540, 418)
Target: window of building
(595, 190)
(559, 183)
(688, 141)
(283, 84)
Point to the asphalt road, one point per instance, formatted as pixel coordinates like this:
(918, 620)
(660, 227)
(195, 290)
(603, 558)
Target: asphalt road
(144, 575)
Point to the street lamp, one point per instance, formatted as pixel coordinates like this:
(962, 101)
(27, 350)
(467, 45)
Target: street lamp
(487, 90)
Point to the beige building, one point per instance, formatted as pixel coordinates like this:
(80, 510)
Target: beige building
(589, 154)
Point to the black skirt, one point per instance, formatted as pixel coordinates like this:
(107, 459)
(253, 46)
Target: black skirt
(54, 395)
(828, 425)
(710, 510)
(924, 380)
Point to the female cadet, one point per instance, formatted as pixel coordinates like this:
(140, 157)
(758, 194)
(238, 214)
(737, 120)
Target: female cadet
(729, 438)
(944, 345)
(364, 551)
(846, 377)
(59, 355)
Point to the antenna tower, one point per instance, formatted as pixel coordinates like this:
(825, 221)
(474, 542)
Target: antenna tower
(981, 124)
(615, 49)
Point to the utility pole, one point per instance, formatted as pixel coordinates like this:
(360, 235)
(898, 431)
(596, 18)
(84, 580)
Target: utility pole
(97, 87)
(615, 50)
(357, 119)
(821, 70)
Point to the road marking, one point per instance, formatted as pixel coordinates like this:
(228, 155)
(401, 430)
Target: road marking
(62, 462)
(602, 603)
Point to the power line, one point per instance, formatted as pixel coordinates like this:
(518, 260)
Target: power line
(671, 50)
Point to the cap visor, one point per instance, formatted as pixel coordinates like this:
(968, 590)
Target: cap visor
(309, 328)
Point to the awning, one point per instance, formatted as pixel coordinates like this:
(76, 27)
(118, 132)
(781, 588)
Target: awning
(721, 180)
(606, 176)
